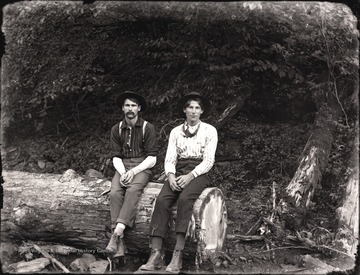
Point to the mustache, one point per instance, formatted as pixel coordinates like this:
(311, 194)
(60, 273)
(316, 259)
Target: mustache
(130, 112)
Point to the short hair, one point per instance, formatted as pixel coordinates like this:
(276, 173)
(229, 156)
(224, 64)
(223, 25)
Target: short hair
(198, 100)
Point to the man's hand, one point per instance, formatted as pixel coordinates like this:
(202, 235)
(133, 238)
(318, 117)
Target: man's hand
(184, 180)
(127, 177)
(173, 184)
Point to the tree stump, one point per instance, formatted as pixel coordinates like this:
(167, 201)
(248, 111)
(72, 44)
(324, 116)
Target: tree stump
(314, 158)
(348, 212)
(69, 209)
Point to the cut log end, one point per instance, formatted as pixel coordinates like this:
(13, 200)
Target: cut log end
(208, 224)
(34, 211)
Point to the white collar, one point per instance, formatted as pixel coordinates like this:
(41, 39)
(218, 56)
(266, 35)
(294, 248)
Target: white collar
(192, 127)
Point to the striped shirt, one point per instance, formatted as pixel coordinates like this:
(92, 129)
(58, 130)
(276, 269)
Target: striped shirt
(132, 144)
(201, 146)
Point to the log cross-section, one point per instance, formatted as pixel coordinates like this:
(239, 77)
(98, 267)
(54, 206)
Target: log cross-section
(70, 210)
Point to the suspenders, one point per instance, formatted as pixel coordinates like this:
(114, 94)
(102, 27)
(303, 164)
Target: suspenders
(143, 128)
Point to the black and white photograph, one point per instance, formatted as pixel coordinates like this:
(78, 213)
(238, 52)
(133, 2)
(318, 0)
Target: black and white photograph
(175, 137)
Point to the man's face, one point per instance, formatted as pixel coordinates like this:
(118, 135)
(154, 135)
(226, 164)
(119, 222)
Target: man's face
(131, 109)
(193, 112)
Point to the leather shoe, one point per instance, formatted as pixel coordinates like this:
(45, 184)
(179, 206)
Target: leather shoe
(155, 261)
(176, 262)
(113, 244)
(121, 248)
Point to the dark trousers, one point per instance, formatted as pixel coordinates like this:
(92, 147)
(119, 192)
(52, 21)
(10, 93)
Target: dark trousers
(185, 201)
(124, 200)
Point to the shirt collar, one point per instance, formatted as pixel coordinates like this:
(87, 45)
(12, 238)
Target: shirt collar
(187, 124)
(139, 123)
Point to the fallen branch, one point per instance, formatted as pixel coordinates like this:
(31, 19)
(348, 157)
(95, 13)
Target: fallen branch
(27, 247)
(110, 264)
(255, 227)
(312, 245)
(335, 250)
(227, 257)
(62, 145)
(284, 247)
(52, 260)
(247, 238)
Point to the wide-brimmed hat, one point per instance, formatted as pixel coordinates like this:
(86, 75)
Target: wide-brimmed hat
(128, 94)
(192, 95)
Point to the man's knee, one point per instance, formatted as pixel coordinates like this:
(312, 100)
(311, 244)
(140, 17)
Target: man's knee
(185, 202)
(135, 188)
(114, 194)
(163, 202)
(115, 182)
(131, 192)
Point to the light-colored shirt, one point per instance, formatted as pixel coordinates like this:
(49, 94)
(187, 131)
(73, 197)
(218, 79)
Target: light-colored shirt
(201, 146)
(147, 163)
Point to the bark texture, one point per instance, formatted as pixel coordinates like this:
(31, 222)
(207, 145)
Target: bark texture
(314, 158)
(348, 212)
(233, 105)
(70, 209)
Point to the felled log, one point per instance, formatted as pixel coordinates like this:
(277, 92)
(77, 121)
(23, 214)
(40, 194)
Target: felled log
(314, 159)
(70, 210)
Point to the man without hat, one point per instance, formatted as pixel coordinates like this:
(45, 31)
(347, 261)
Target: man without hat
(134, 150)
(189, 157)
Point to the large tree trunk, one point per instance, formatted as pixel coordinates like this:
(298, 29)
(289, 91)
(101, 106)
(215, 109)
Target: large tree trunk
(314, 157)
(348, 212)
(70, 209)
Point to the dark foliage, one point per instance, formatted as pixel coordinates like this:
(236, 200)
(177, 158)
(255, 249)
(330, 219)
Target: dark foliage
(62, 52)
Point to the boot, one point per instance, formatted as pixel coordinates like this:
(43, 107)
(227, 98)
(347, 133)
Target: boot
(113, 244)
(155, 261)
(121, 248)
(176, 262)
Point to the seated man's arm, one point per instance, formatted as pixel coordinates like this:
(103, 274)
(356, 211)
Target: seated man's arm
(115, 144)
(119, 165)
(209, 154)
(150, 147)
(147, 163)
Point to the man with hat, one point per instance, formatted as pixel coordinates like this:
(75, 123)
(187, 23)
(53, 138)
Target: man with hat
(134, 150)
(189, 156)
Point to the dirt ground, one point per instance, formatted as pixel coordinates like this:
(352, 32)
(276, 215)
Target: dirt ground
(252, 154)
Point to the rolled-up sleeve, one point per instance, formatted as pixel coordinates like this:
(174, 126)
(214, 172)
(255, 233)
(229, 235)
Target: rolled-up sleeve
(171, 154)
(209, 153)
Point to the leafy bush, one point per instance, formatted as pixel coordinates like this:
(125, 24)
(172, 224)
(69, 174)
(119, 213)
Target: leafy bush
(56, 50)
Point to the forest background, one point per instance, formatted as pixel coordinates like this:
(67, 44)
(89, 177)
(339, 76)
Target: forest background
(65, 63)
